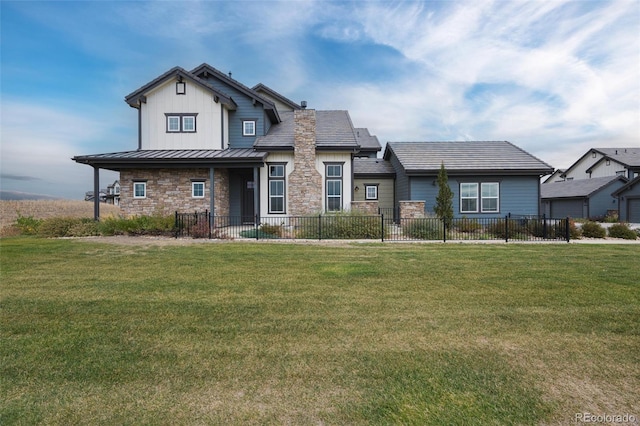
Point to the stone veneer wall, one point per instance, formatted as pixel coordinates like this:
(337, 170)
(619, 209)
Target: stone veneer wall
(411, 209)
(169, 190)
(365, 207)
(305, 182)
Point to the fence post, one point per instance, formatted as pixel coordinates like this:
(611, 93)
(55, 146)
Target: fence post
(208, 221)
(175, 224)
(255, 226)
(506, 229)
(544, 226)
(319, 227)
(382, 225)
(566, 228)
(444, 228)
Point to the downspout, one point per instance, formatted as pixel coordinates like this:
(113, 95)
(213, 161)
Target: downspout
(140, 128)
(221, 127)
(96, 193)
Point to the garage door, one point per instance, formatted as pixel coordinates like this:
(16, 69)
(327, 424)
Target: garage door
(634, 210)
(564, 208)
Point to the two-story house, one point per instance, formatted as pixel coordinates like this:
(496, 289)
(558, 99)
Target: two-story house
(208, 142)
(589, 187)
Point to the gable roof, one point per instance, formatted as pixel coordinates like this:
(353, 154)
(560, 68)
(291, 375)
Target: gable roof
(626, 156)
(366, 140)
(577, 187)
(334, 131)
(558, 172)
(467, 157)
(363, 167)
(626, 186)
(138, 96)
(207, 70)
(272, 93)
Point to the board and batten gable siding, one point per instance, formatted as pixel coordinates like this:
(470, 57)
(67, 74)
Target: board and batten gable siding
(603, 170)
(163, 100)
(579, 169)
(280, 158)
(519, 195)
(385, 190)
(246, 110)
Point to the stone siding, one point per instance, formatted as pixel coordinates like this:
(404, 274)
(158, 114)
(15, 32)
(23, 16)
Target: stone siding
(305, 182)
(169, 190)
(411, 209)
(369, 208)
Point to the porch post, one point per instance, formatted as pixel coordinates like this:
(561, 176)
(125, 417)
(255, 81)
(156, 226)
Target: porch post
(96, 193)
(256, 193)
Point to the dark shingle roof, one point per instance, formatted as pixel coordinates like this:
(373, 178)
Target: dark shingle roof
(367, 141)
(467, 156)
(334, 130)
(372, 166)
(576, 187)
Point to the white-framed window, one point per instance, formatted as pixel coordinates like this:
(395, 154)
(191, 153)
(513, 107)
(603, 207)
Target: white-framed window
(479, 197)
(181, 122)
(248, 128)
(333, 184)
(468, 197)
(173, 123)
(370, 192)
(490, 192)
(188, 123)
(197, 189)
(139, 189)
(277, 186)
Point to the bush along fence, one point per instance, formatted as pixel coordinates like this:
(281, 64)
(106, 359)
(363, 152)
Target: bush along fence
(375, 227)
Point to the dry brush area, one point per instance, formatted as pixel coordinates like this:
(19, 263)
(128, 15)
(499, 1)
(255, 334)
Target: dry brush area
(44, 209)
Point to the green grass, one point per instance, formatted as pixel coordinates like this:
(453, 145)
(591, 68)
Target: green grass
(241, 333)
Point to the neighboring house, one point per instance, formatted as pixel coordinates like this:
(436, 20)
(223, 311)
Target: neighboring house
(488, 179)
(581, 198)
(628, 197)
(601, 162)
(102, 196)
(208, 142)
(113, 194)
(373, 180)
(555, 176)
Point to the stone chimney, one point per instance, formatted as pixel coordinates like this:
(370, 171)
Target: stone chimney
(305, 182)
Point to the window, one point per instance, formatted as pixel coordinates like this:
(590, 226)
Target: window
(188, 123)
(139, 189)
(334, 186)
(276, 188)
(197, 189)
(181, 123)
(490, 195)
(479, 197)
(371, 192)
(248, 128)
(468, 197)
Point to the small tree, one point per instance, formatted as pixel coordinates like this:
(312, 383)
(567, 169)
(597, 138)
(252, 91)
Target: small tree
(444, 200)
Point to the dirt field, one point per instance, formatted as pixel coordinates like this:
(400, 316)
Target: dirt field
(43, 209)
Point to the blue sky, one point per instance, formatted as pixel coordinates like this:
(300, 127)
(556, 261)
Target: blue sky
(555, 78)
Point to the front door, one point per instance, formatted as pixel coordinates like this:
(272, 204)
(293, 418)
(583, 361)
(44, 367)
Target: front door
(247, 199)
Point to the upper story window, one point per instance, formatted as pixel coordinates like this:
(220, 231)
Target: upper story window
(248, 128)
(181, 122)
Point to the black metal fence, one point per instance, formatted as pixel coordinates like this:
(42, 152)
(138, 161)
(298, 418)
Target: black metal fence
(375, 227)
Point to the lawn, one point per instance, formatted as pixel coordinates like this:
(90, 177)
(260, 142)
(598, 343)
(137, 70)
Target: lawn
(244, 333)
